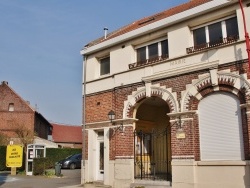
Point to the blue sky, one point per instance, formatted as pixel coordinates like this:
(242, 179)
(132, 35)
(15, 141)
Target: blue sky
(40, 43)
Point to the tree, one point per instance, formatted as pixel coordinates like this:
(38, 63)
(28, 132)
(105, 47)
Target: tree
(24, 135)
(3, 139)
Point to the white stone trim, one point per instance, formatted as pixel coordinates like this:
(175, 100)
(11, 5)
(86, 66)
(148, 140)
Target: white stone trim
(180, 70)
(166, 93)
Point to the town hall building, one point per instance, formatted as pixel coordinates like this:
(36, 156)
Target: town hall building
(166, 99)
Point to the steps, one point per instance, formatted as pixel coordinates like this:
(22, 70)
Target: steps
(150, 184)
(96, 184)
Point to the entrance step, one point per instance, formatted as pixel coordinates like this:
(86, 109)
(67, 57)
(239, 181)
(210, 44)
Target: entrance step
(150, 184)
(96, 184)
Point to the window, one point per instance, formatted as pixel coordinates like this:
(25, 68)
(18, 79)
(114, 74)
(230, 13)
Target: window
(232, 27)
(11, 107)
(105, 66)
(164, 48)
(216, 33)
(141, 54)
(152, 52)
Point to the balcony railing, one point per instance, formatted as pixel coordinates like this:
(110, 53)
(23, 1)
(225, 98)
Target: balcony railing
(223, 41)
(148, 61)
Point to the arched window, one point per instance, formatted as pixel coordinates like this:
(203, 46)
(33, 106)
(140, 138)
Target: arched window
(220, 127)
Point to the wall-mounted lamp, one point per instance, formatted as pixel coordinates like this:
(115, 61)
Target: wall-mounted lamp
(111, 116)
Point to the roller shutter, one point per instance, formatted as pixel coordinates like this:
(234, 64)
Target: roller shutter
(220, 127)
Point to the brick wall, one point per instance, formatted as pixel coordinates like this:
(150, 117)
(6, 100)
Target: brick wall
(99, 104)
(22, 115)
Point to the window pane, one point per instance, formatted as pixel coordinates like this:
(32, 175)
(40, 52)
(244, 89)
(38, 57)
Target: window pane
(11, 107)
(105, 66)
(199, 36)
(141, 54)
(232, 27)
(164, 48)
(153, 50)
(215, 33)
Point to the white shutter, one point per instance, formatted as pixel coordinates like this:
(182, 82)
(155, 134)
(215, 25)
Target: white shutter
(220, 127)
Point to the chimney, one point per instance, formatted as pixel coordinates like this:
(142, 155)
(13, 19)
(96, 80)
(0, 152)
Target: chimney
(5, 82)
(105, 32)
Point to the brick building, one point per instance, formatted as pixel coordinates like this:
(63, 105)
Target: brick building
(17, 114)
(178, 84)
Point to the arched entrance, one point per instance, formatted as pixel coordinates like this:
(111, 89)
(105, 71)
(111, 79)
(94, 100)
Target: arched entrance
(152, 140)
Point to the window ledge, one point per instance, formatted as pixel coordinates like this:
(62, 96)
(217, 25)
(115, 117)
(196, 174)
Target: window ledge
(223, 163)
(203, 47)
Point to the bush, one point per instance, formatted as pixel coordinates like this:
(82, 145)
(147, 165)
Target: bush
(53, 155)
(56, 154)
(39, 165)
(3, 158)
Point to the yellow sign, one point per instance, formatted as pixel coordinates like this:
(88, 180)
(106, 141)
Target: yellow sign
(180, 135)
(14, 156)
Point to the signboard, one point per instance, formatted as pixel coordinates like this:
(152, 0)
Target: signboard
(14, 156)
(180, 135)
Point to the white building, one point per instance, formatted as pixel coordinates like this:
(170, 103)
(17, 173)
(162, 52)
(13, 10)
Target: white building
(178, 83)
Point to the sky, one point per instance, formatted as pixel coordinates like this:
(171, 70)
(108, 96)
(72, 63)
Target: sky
(40, 44)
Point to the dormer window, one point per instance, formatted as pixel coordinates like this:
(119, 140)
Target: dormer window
(105, 66)
(11, 107)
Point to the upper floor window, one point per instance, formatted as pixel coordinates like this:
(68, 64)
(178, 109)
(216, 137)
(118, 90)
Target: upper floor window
(215, 34)
(152, 52)
(105, 66)
(11, 107)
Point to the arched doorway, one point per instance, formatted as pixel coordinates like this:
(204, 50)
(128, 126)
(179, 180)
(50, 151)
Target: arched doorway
(152, 140)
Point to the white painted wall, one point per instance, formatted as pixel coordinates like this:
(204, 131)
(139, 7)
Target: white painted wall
(180, 38)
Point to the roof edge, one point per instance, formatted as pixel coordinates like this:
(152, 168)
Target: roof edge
(187, 14)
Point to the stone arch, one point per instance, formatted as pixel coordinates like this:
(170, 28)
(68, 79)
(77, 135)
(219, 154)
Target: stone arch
(149, 91)
(214, 80)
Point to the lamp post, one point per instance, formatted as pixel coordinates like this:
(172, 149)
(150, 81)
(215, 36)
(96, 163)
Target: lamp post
(246, 33)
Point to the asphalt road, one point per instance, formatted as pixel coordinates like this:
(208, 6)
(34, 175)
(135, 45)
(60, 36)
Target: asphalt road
(69, 178)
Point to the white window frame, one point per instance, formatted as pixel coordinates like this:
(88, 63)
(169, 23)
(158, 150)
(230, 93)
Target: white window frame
(149, 43)
(223, 28)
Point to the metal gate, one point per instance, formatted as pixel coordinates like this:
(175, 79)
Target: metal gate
(151, 155)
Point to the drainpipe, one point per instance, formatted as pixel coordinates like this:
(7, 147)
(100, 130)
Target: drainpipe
(84, 119)
(246, 33)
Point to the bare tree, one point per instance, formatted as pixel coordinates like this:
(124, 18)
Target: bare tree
(3, 139)
(24, 135)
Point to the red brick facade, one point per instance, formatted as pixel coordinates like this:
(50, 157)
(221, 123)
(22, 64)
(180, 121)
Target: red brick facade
(22, 116)
(121, 144)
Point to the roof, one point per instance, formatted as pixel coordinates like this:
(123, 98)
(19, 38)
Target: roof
(66, 133)
(26, 103)
(150, 19)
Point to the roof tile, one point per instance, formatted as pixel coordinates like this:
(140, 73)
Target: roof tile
(150, 19)
(67, 133)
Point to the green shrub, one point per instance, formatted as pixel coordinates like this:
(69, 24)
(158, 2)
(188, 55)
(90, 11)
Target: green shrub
(56, 154)
(39, 166)
(53, 155)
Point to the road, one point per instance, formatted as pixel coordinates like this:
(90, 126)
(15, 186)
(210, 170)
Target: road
(69, 178)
